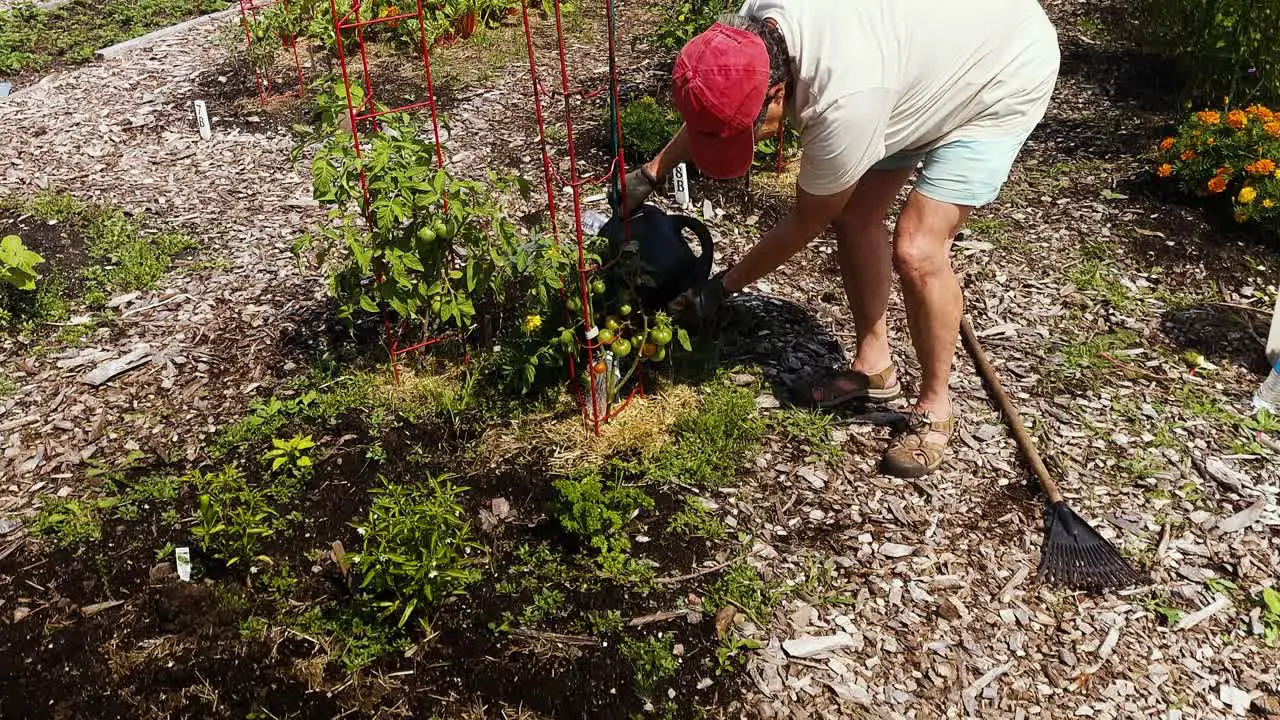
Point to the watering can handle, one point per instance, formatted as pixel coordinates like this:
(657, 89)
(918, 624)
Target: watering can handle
(704, 236)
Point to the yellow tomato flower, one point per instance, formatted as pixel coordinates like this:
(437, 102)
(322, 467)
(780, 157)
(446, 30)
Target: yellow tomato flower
(531, 323)
(1247, 194)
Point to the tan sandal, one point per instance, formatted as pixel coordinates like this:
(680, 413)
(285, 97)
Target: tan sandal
(921, 449)
(861, 386)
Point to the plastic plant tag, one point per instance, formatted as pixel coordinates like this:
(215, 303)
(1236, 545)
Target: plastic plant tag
(182, 557)
(592, 332)
(202, 120)
(602, 381)
(680, 180)
(592, 221)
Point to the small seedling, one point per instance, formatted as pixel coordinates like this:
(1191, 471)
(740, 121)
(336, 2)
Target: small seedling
(653, 660)
(232, 518)
(72, 522)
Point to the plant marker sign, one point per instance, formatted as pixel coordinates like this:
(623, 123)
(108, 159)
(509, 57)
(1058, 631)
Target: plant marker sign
(680, 179)
(202, 120)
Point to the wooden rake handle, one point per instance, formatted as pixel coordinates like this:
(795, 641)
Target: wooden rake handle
(1010, 412)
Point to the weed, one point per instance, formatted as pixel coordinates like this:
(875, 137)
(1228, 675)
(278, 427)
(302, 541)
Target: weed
(988, 227)
(653, 660)
(254, 629)
(1082, 359)
(711, 443)
(695, 519)
(603, 622)
(72, 522)
(8, 386)
(276, 580)
(811, 427)
(351, 636)
(128, 257)
(732, 653)
(232, 518)
(146, 493)
(1269, 600)
(548, 603)
(417, 547)
(742, 587)
(598, 516)
(536, 566)
(1096, 276)
(52, 206)
(1158, 604)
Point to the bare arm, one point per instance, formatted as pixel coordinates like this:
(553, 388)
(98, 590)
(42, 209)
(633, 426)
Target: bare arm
(809, 216)
(676, 152)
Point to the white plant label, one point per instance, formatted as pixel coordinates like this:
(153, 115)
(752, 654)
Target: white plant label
(680, 179)
(202, 120)
(182, 556)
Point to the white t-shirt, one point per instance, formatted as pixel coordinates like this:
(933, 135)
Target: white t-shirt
(872, 77)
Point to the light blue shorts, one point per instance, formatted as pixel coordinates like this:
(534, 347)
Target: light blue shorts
(961, 172)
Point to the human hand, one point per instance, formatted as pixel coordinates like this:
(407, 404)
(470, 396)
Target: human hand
(640, 185)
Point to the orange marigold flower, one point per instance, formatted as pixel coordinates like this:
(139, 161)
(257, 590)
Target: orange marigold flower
(1265, 166)
(1164, 170)
(1209, 141)
(1187, 155)
(1166, 143)
(1209, 117)
(1272, 128)
(1217, 184)
(1225, 171)
(1237, 119)
(1261, 112)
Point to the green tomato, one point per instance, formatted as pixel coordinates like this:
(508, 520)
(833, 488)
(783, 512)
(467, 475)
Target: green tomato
(439, 228)
(612, 323)
(606, 337)
(660, 336)
(573, 303)
(427, 235)
(450, 229)
(660, 355)
(435, 307)
(621, 347)
(625, 310)
(598, 287)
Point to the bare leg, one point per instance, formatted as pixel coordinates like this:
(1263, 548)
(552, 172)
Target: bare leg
(921, 255)
(864, 252)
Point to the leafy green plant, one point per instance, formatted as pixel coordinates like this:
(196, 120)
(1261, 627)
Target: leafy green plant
(598, 515)
(18, 264)
(290, 464)
(70, 521)
(653, 659)
(1269, 600)
(232, 518)
(647, 126)
(1221, 47)
(417, 547)
(710, 443)
(731, 655)
(742, 587)
(695, 519)
(680, 20)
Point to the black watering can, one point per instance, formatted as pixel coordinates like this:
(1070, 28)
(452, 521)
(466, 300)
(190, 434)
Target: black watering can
(653, 243)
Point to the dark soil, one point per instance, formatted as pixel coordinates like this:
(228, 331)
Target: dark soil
(60, 244)
(176, 649)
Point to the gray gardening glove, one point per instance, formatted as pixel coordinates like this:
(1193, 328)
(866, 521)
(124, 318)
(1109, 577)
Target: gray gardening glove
(640, 185)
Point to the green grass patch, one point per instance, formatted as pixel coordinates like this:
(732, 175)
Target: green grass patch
(742, 587)
(711, 443)
(694, 519)
(33, 40)
(71, 522)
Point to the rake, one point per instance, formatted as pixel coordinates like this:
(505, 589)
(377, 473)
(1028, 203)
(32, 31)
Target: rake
(1073, 553)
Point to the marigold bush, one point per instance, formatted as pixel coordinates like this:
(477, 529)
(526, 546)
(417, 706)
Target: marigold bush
(1231, 153)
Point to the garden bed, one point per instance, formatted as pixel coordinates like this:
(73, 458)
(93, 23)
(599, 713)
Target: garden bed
(34, 42)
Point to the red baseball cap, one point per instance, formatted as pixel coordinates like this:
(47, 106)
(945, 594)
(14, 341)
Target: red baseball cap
(719, 84)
